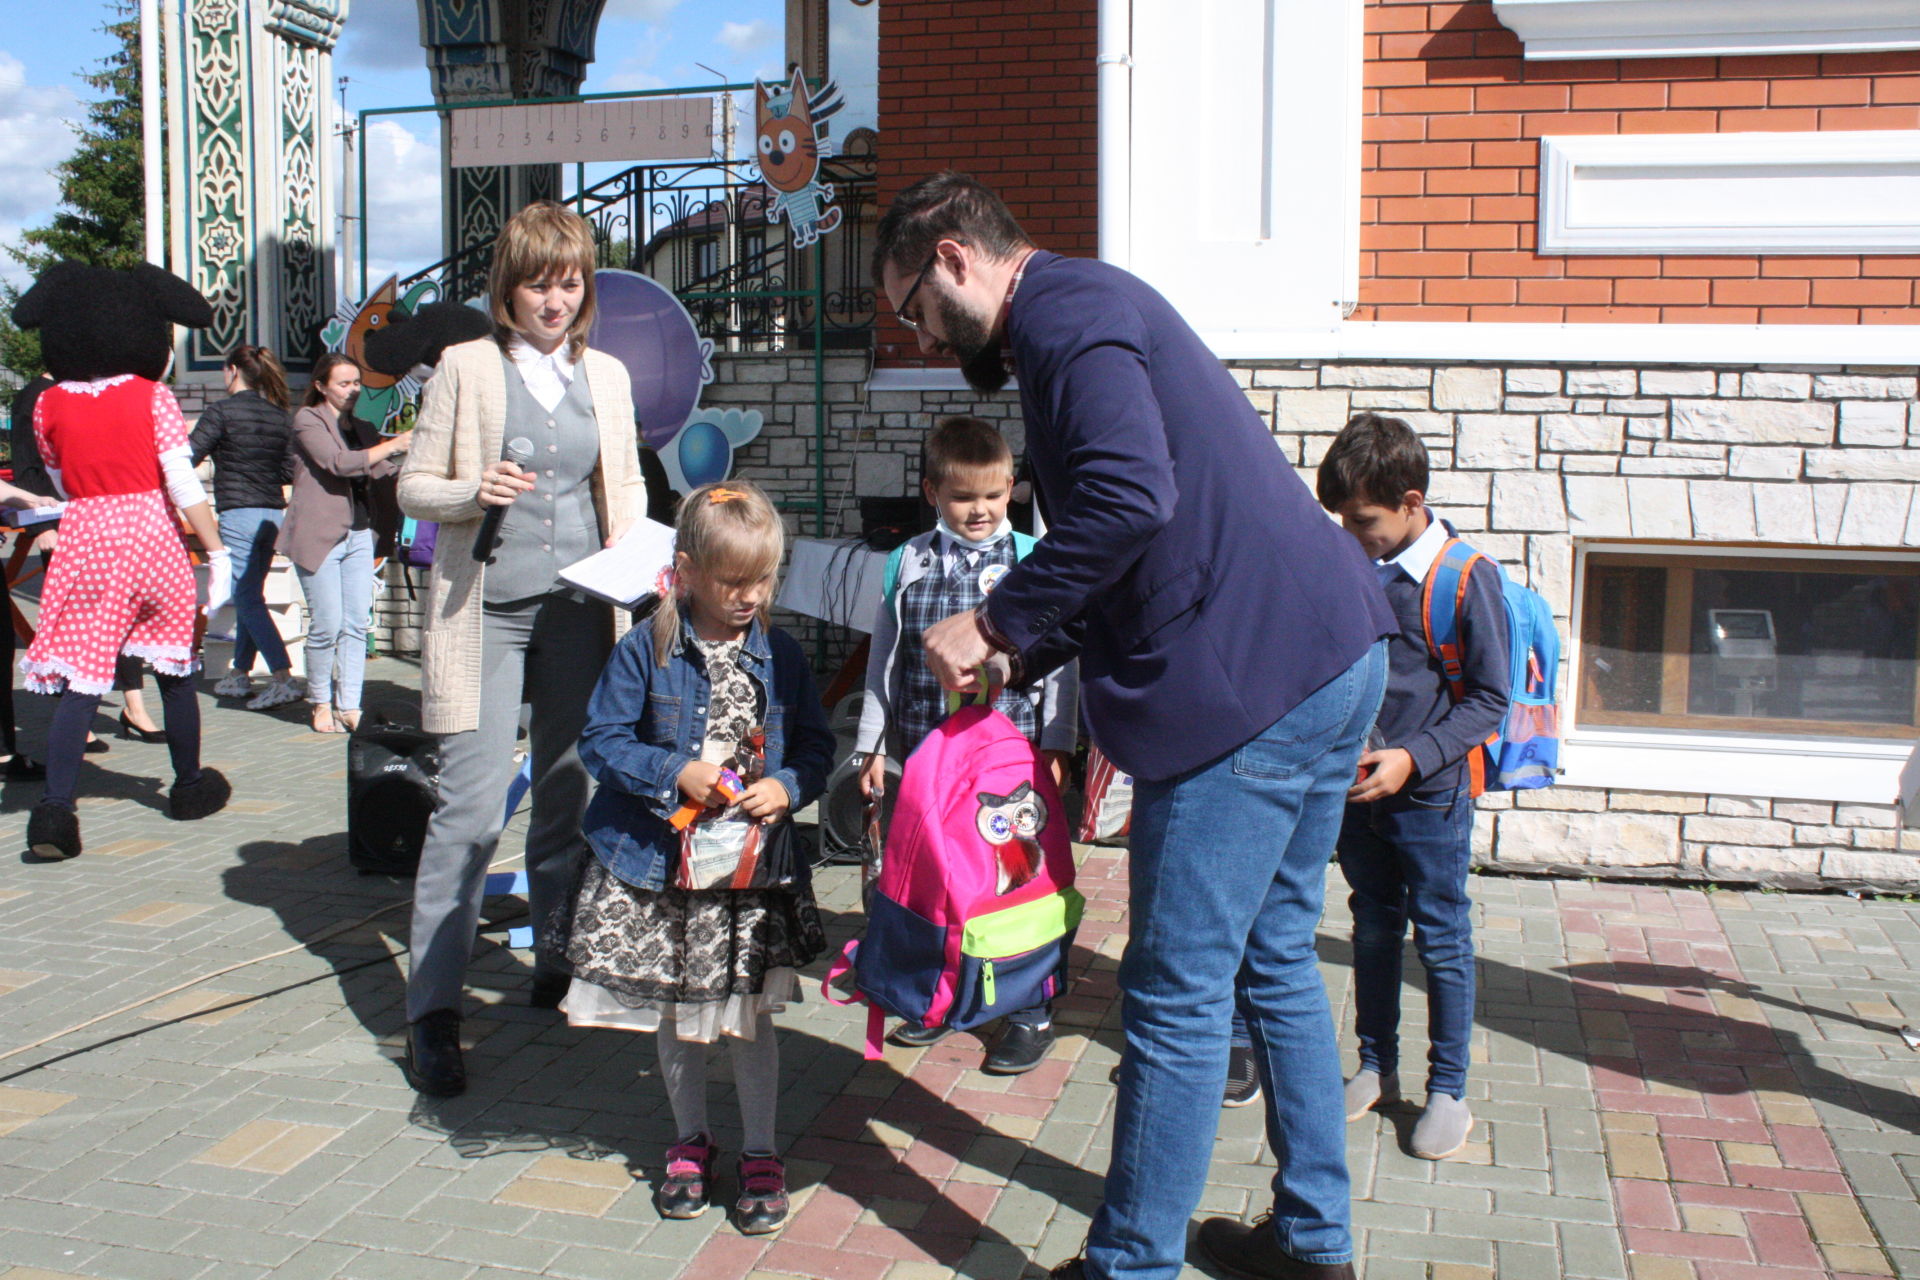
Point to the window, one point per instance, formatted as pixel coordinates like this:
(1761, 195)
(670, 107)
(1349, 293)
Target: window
(706, 258)
(1801, 645)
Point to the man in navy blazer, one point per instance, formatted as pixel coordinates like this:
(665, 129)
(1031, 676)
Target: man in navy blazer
(1229, 638)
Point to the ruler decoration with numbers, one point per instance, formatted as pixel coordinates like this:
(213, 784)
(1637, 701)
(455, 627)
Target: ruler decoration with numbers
(639, 129)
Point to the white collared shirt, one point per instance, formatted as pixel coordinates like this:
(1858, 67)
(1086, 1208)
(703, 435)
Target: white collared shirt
(1419, 556)
(547, 376)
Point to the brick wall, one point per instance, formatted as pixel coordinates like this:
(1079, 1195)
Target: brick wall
(1003, 89)
(1453, 122)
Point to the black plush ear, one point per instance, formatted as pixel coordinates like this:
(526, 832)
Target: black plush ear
(178, 301)
(35, 304)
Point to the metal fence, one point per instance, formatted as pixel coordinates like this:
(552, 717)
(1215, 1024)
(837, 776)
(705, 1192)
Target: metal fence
(701, 230)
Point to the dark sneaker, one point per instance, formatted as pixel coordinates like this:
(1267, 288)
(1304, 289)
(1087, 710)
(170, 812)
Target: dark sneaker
(1020, 1050)
(1254, 1253)
(762, 1205)
(683, 1192)
(433, 1064)
(908, 1036)
(1243, 1077)
(53, 833)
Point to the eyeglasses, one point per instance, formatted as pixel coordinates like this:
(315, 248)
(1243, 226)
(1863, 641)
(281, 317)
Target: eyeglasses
(901, 313)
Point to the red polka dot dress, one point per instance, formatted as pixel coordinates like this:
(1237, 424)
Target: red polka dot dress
(120, 581)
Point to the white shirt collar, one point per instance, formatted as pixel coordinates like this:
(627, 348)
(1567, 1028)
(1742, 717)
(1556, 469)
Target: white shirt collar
(528, 357)
(547, 376)
(1419, 556)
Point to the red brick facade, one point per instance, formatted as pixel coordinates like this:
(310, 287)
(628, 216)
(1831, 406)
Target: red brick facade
(1451, 167)
(1006, 89)
(1003, 89)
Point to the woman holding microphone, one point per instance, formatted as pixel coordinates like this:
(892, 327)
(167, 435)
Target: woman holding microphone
(525, 452)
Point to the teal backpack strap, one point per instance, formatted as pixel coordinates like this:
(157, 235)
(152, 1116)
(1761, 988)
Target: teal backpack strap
(890, 580)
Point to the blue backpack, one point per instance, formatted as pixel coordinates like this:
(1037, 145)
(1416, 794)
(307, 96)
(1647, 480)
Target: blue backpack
(1525, 751)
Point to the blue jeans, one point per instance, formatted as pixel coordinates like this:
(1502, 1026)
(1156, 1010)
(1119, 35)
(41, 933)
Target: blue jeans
(250, 532)
(339, 604)
(1406, 860)
(1228, 866)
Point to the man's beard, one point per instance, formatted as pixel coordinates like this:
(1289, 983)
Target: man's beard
(972, 341)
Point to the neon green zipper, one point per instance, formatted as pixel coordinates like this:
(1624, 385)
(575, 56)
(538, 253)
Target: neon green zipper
(986, 983)
(1010, 931)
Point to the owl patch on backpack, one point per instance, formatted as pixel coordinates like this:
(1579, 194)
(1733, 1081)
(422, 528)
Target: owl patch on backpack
(1012, 825)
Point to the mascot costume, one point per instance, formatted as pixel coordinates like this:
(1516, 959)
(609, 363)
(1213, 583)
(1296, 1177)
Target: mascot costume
(115, 446)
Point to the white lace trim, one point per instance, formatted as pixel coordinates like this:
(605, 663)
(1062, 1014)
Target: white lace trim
(98, 386)
(587, 1005)
(56, 675)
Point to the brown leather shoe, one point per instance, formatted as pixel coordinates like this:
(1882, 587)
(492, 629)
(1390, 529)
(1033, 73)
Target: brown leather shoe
(1253, 1252)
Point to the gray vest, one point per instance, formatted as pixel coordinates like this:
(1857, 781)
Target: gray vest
(554, 523)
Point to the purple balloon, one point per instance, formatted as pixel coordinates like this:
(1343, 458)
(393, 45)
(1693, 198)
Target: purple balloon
(640, 322)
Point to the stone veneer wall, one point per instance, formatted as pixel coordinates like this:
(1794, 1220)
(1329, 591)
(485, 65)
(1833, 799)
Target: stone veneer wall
(1527, 459)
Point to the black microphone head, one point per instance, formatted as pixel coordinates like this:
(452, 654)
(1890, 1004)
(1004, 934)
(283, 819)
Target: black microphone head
(519, 451)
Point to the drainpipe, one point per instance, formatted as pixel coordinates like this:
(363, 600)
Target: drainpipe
(152, 104)
(1114, 71)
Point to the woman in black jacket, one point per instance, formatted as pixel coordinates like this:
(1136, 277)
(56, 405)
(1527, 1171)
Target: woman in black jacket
(249, 436)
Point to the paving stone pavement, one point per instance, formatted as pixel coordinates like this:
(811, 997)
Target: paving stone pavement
(1670, 1084)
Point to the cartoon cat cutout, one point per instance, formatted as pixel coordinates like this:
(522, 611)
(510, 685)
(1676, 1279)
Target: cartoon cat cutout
(792, 128)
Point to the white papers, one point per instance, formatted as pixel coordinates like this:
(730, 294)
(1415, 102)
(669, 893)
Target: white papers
(28, 517)
(629, 569)
(837, 580)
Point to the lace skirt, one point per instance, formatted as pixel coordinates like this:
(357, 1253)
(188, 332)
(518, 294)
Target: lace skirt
(713, 959)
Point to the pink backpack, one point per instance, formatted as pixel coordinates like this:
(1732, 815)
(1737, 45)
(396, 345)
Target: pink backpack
(974, 912)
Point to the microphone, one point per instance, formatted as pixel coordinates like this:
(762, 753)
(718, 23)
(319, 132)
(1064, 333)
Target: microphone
(519, 452)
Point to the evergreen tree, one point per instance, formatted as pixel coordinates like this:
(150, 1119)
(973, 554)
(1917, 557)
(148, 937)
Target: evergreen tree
(101, 218)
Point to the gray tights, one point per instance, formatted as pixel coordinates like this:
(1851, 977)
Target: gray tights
(756, 1078)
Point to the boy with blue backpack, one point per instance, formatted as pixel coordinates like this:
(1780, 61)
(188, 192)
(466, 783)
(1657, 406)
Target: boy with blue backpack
(1407, 840)
(967, 477)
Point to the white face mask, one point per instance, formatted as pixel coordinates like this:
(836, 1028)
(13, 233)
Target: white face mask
(964, 544)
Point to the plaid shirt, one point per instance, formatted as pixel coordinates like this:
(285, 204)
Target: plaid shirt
(952, 588)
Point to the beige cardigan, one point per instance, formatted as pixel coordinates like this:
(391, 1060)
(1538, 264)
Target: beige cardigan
(460, 430)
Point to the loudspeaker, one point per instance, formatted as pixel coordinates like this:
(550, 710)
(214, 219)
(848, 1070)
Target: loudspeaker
(393, 778)
(843, 810)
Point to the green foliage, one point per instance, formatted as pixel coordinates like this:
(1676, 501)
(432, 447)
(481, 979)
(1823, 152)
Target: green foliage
(102, 190)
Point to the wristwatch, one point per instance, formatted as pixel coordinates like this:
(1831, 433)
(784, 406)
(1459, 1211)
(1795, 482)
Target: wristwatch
(999, 644)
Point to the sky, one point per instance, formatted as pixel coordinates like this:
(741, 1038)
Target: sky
(641, 44)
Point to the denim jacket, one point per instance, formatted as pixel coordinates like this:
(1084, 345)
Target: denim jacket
(646, 722)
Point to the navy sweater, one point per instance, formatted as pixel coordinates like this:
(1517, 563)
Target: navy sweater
(1418, 712)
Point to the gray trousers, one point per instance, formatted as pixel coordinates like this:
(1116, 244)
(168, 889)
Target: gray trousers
(548, 653)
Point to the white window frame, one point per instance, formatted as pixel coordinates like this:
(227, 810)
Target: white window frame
(1817, 767)
(1697, 192)
(1559, 29)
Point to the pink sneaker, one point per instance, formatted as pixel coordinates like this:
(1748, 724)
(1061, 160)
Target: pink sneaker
(683, 1192)
(762, 1205)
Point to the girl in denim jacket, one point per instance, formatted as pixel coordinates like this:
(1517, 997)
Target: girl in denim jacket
(677, 699)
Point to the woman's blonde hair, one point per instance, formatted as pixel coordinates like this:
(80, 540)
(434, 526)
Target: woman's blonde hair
(728, 530)
(541, 241)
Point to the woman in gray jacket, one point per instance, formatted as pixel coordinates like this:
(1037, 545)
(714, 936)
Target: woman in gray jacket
(328, 535)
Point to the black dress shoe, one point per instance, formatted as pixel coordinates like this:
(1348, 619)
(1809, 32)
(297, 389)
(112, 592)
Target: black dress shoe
(433, 1063)
(548, 990)
(133, 732)
(97, 747)
(1254, 1252)
(53, 833)
(1021, 1049)
(1071, 1269)
(908, 1036)
(21, 767)
(205, 796)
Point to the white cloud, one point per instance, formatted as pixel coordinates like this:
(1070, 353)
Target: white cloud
(743, 37)
(35, 135)
(403, 200)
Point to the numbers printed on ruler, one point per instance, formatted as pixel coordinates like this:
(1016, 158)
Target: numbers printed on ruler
(636, 129)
